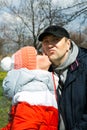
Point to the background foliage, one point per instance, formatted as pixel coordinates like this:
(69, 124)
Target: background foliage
(4, 104)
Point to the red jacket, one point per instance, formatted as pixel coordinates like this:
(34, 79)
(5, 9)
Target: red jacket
(27, 117)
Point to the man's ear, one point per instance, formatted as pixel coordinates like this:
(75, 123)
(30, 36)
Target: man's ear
(68, 44)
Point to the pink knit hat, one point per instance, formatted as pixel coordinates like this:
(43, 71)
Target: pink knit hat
(25, 58)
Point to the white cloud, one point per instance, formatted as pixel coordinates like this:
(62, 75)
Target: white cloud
(63, 3)
(14, 2)
(8, 18)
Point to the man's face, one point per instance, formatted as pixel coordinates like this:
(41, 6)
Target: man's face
(56, 48)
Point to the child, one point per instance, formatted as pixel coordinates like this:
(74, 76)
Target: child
(32, 90)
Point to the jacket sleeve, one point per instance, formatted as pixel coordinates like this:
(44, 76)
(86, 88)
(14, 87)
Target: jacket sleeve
(82, 124)
(9, 83)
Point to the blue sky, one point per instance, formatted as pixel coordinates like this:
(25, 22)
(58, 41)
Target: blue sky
(5, 16)
(64, 3)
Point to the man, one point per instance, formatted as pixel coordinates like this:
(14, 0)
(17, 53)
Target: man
(69, 62)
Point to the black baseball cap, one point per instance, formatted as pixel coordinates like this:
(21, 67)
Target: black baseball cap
(54, 30)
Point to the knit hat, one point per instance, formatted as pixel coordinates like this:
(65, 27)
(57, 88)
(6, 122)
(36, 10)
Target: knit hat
(54, 30)
(23, 58)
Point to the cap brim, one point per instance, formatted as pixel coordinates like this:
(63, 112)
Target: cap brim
(40, 38)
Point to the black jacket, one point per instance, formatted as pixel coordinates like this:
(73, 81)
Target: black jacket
(73, 101)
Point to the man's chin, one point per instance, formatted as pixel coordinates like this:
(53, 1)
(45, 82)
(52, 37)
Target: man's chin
(51, 57)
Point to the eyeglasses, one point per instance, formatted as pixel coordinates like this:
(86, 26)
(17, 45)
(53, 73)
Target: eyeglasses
(53, 41)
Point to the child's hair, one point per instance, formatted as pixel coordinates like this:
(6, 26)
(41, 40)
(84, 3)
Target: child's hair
(23, 58)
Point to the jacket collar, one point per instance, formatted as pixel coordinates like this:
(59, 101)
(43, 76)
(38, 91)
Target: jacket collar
(70, 75)
(76, 67)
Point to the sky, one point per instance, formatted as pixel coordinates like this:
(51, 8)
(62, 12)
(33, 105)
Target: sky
(6, 17)
(63, 3)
